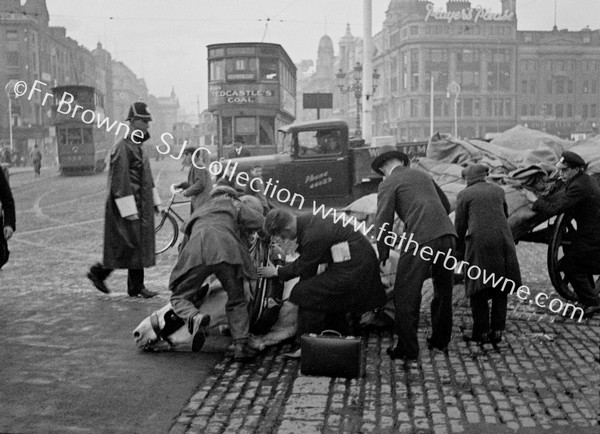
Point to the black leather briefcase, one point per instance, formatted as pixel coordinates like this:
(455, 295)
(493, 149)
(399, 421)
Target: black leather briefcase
(331, 355)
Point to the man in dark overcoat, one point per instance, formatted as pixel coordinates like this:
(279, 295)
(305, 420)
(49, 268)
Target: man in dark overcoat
(7, 216)
(485, 241)
(351, 283)
(581, 200)
(238, 150)
(199, 183)
(213, 244)
(129, 213)
(423, 207)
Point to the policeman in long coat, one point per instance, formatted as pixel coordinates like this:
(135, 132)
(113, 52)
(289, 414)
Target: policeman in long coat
(213, 244)
(485, 241)
(581, 200)
(351, 282)
(129, 214)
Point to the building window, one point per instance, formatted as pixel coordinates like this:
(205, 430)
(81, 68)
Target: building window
(524, 110)
(549, 87)
(560, 86)
(593, 110)
(12, 35)
(468, 107)
(524, 86)
(560, 111)
(584, 111)
(414, 108)
(414, 70)
(569, 110)
(12, 59)
(269, 69)
(570, 86)
(586, 86)
(548, 109)
(594, 86)
(532, 86)
(532, 109)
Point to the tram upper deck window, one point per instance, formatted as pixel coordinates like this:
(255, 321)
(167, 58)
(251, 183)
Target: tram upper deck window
(269, 69)
(217, 70)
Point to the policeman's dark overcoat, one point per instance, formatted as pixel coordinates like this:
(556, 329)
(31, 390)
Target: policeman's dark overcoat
(351, 286)
(484, 236)
(129, 243)
(581, 199)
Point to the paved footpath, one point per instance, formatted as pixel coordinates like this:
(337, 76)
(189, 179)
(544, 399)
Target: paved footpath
(544, 378)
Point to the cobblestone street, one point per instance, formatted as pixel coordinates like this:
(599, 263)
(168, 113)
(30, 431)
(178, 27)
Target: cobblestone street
(544, 378)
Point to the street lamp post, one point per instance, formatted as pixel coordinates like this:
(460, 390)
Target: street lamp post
(356, 87)
(8, 88)
(454, 89)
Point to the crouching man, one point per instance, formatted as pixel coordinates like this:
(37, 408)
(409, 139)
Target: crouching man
(350, 284)
(213, 244)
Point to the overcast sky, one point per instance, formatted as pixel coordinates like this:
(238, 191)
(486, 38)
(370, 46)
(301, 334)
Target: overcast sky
(164, 41)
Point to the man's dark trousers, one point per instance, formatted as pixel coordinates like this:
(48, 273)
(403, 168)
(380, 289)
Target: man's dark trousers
(411, 273)
(135, 277)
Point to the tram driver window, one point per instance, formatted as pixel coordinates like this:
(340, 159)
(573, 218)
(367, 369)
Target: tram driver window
(269, 68)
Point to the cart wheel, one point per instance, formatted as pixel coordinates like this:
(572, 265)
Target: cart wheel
(562, 235)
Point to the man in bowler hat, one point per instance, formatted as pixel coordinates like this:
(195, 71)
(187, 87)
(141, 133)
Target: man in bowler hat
(238, 150)
(423, 207)
(129, 214)
(581, 199)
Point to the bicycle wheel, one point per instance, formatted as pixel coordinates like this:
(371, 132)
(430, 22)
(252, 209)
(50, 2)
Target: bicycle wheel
(166, 231)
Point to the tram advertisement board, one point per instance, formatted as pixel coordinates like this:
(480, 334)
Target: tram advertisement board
(248, 93)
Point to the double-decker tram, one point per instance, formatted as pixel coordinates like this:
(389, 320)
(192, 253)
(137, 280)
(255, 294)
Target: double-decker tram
(252, 92)
(82, 145)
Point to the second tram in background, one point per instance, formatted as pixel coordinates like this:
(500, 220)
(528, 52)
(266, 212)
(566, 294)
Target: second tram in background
(82, 147)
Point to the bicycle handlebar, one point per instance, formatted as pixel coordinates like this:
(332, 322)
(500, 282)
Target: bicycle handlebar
(175, 190)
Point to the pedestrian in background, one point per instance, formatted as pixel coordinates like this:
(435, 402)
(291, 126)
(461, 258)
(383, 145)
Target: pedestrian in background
(36, 160)
(129, 215)
(213, 244)
(581, 200)
(7, 217)
(485, 241)
(423, 207)
(238, 150)
(199, 183)
(351, 283)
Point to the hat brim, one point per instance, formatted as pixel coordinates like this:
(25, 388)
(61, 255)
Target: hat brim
(381, 159)
(561, 165)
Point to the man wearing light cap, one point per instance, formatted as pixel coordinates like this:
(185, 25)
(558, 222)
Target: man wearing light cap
(129, 214)
(581, 200)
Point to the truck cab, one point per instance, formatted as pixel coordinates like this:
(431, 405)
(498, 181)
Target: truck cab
(318, 161)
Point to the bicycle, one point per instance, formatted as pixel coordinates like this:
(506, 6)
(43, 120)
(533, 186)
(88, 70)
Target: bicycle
(166, 228)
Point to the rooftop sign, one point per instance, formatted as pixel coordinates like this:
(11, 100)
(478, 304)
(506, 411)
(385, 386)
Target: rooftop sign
(468, 14)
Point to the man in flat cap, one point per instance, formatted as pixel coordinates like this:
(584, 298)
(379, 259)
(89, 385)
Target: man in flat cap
(129, 212)
(423, 207)
(485, 241)
(581, 200)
